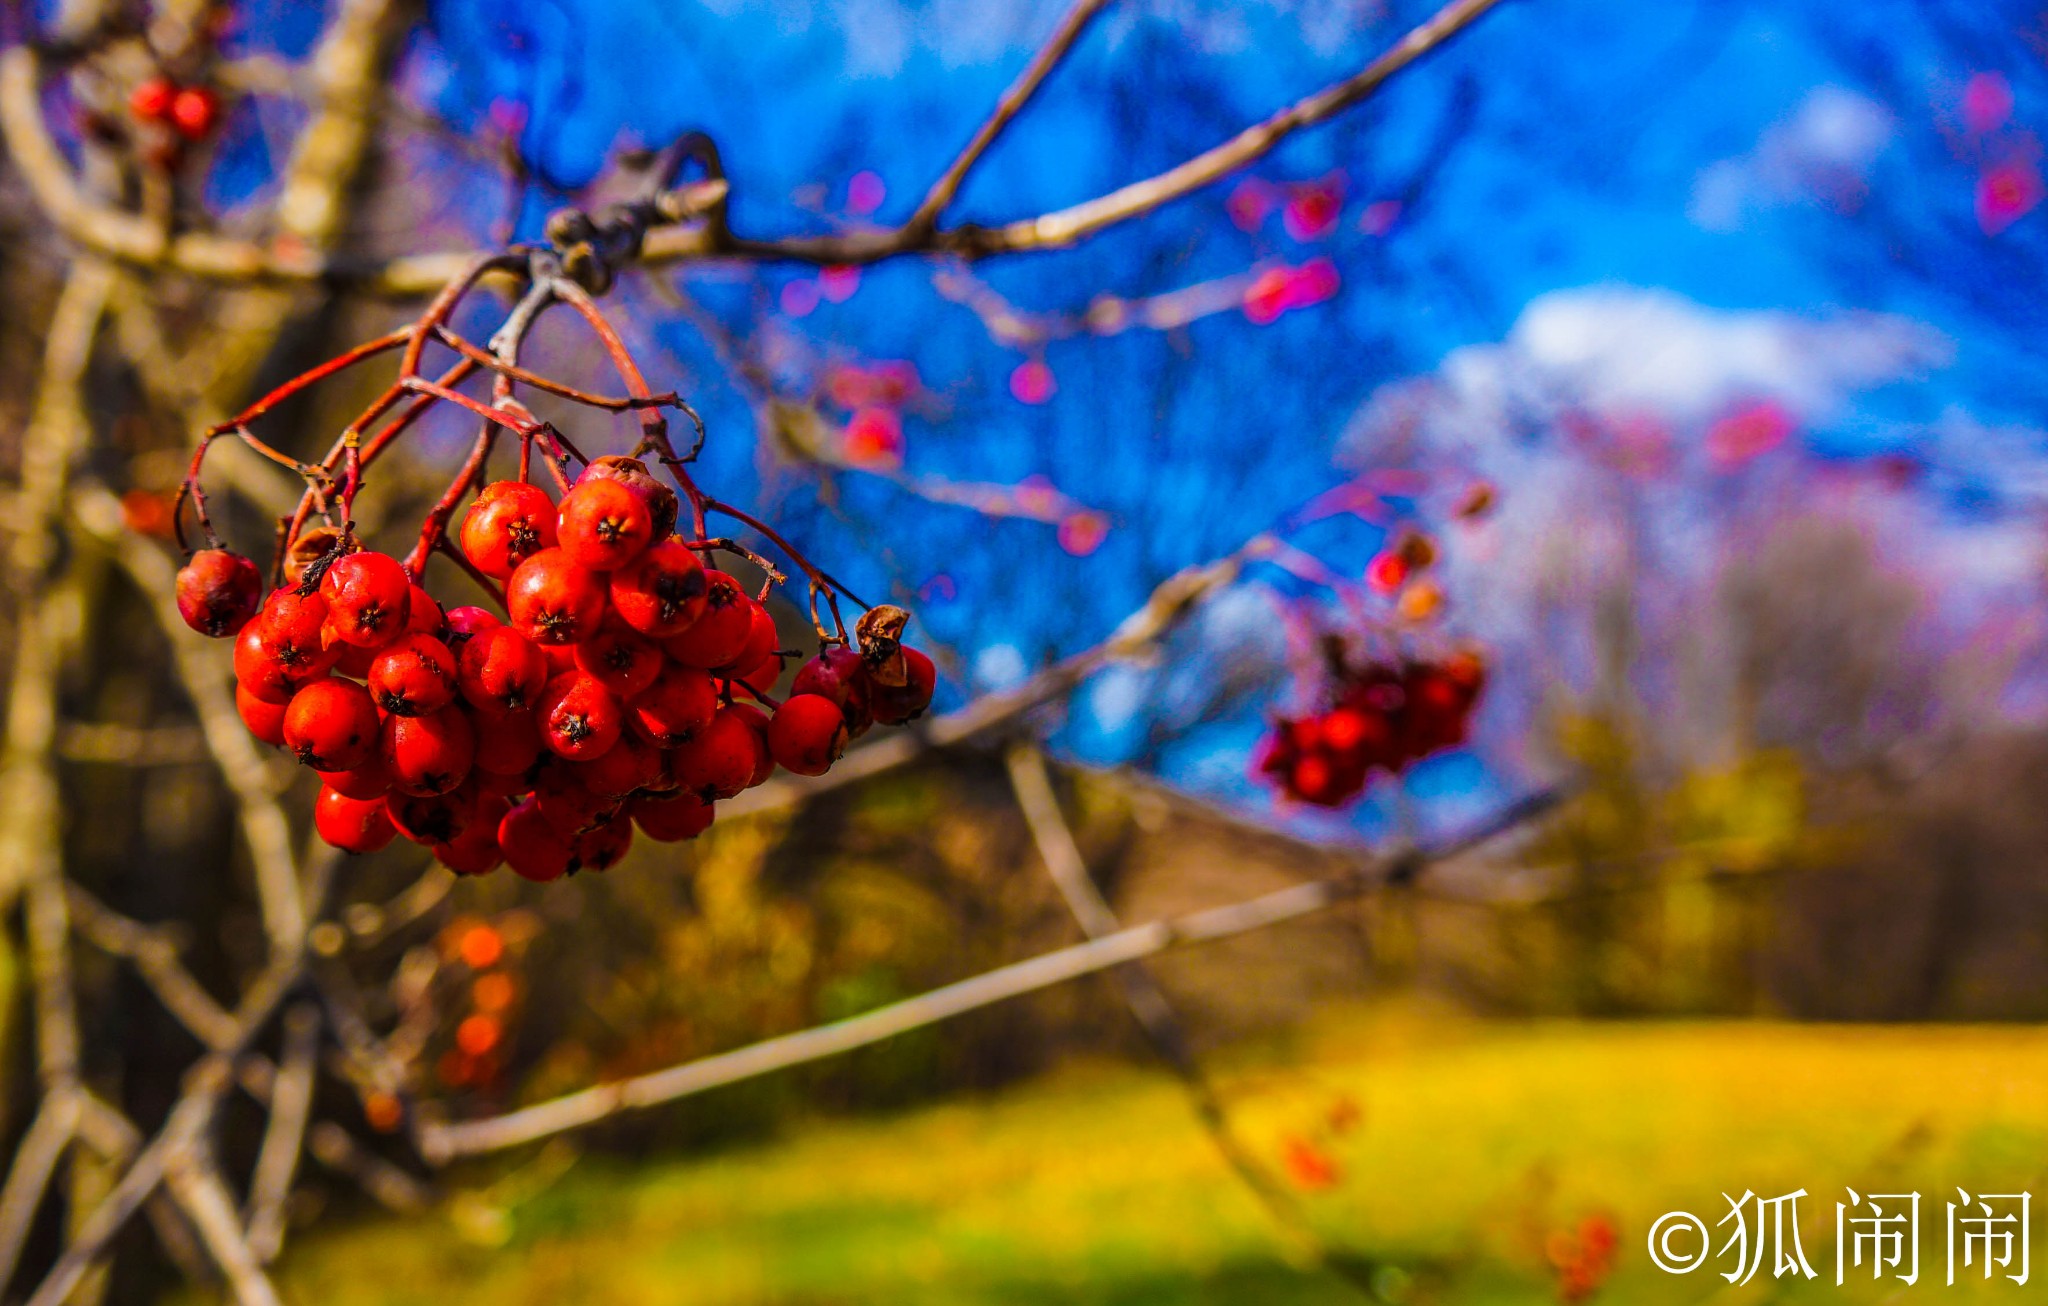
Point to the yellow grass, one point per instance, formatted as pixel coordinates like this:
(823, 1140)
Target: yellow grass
(1475, 1141)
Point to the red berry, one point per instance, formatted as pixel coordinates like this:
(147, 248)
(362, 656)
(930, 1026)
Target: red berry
(661, 501)
(218, 592)
(621, 661)
(428, 754)
(280, 651)
(354, 825)
(507, 743)
(354, 662)
(600, 849)
(757, 721)
(502, 671)
(533, 847)
(761, 643)
(671, 817)
(721, 760)
(627, 765)
(579, 718)
(413, 676)
(264, 719)
(509, 523)
(838, 674)
(151, 99)
(895, 704)
(460, 625)
(368, 779)
(423, 615)
(604, 525)
(432, 818)
(475, 851)
(368, 598)
(662, 591)
(331, 725)
(194, 110)
(570, 805)
(717, 636)
(673, 710)
(807, 734)
(554, 600)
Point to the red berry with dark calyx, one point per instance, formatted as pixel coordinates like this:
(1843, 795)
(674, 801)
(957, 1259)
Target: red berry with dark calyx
(432, 818)
(896, 704)
(838, 674)
(675, 708)
(721, 761)
(194, 110)
(604, 524)
(629, 764)
(554, 600)
(569, 804)
(601, 848)
(807, 734)
(670, 818)
(623, 662)
(331, 725)
(661, 592)
(460, 625)
(264, 719)
(413, 675)
(475, 851)
(428, 754)
(219, 592)
(579, 718)
(368, 598)
(273, 661)
(533, 847)
(354, 825)
(501, 670)
(661, 501)
(368, 779)
(509, 523)
(507, 743)
(717, 636)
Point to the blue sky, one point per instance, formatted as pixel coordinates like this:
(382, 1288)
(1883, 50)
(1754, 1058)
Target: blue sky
(1664, 212)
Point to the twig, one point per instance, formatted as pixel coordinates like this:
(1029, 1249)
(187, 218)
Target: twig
(155, 954)
(194, 1180)
(441, 1143)
(1150, 1006)
(1163, 610)
(291, 1103)
(1008, 106)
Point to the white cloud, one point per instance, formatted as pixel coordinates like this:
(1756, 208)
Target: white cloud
(1624, 351)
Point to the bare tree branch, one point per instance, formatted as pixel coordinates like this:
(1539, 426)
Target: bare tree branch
(441, 1143)
(1008, 106)
(291, 1104)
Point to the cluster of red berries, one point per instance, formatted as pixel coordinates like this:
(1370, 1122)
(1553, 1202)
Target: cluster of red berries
(1383, 717)
(189, 112)
(1583, 1259)
(603, 701)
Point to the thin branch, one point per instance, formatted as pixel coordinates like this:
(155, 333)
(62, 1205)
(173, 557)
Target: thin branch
(1008, 106)
(132, 239)
(1149, 1005)
(1162, 611)
(35, 1162)
(291, 1103)
(441, 1143)
(194, 1180)
(154, 951)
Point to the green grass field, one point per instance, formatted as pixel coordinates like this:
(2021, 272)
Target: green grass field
(1473, 1142)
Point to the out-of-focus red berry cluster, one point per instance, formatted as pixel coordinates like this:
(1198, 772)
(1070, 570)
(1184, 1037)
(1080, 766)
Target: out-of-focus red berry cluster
(1382, 717)
(172, 117)
(611, 695)
(1583, 1259)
